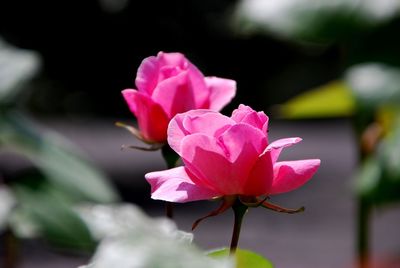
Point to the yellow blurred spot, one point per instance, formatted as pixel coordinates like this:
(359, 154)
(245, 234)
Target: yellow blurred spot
(331, 100)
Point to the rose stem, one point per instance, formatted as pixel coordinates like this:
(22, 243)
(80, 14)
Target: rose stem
(364, 209)
(239, 210)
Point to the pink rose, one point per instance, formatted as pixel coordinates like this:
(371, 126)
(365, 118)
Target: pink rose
(170, 84)
(226, 156)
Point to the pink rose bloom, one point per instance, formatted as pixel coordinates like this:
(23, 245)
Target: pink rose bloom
(170, 84)
(226, 156)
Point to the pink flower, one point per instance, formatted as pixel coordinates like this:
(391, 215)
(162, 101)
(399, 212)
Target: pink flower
(170, 84)
(225, 156)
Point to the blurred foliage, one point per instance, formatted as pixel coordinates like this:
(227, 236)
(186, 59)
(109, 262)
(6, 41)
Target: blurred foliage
(369, 93)
(378, 179)
(314, 21)
(42, 202)
(7, 202)
(56, 158)
(130, 239)
(17, 66)
(374, 85)
(49, 213)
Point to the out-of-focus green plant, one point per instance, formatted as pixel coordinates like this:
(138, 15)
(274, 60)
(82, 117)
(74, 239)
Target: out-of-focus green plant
(41, 203)
(369, 92)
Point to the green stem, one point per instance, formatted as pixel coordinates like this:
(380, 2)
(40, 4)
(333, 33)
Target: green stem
(364, 210)
(239, 210)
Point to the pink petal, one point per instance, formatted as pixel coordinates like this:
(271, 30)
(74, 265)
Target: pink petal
(260, 179)
(224, 164)
(221, 90)
(237, 137)
(152, 119)
(147, 75)
(196, 121)
(130, 99)
(175, 185)
(172, 59)
(245, 114)
(277, 146)
(175, 94)
(290, 175)
(210, 123)
(201, 92)
(205, 158)
(242, 145)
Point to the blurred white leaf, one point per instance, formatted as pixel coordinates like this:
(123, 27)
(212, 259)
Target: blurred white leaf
(7, 202)
(116, 220)
(133, 240)
(16, 66)
(308, 18)
(22, 224)
(374, 84)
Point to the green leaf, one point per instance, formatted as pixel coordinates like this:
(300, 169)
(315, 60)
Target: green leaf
(390, 155)
(379, 177)
(52, 217)
(310, 20)
(368, 177)
(57, 159)
(244, 258)
(16, 67)
(374, 84)
(331, 100)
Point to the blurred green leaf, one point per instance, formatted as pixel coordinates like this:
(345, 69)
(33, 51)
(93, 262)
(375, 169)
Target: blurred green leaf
(52, 217)
(379, 177)
(374, 84)
(244, 258)
(390, 155)
(368, 177)
(310, 20)
(131, 239)
(331, 100)
(58, 159)
(16, 67)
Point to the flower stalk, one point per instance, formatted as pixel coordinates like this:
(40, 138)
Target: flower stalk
(239, 210)
(364, 210)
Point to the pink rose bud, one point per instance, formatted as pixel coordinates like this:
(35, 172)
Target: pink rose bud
(170, 84)
(226, 156)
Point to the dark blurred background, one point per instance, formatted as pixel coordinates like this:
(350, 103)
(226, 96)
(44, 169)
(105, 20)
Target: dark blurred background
(92, 49)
